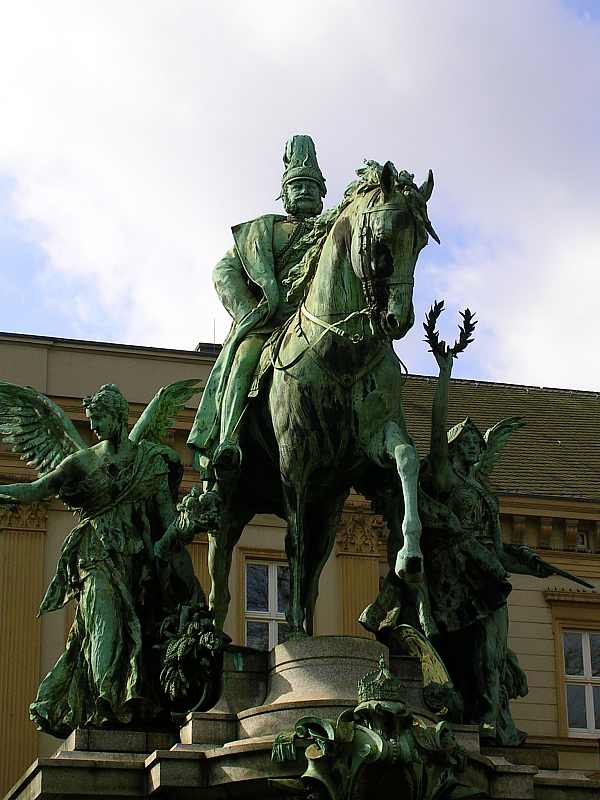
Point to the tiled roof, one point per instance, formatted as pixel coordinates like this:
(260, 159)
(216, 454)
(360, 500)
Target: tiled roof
(557, 454)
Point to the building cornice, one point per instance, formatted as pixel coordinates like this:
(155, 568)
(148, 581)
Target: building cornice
(205, 354)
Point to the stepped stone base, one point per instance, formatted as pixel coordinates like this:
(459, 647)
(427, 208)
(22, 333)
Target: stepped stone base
(310, 677)
(226, 752)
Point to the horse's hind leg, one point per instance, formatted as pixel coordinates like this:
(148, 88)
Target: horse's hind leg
(220, 551)
(322, 519)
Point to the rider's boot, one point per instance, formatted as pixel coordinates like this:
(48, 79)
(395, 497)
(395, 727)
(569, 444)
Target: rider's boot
(227, 460)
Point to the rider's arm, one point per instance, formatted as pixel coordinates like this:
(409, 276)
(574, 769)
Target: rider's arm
(232, 287)
(439, 460)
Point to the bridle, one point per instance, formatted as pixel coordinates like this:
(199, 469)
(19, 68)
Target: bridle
(371, 284)
(370, 281)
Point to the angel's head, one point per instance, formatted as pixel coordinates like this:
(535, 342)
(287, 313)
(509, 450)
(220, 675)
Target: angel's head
(466, 442)
(107, 411)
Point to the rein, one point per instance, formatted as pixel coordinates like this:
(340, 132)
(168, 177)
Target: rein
(368, 278)
(310, 346)
(370, 282)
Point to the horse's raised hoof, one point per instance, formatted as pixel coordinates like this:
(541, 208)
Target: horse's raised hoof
(372, 617)
(409, 568)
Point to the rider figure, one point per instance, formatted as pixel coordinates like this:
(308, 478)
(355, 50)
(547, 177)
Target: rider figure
(249, 282)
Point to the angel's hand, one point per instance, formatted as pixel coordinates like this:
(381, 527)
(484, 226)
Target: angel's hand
(444, 358)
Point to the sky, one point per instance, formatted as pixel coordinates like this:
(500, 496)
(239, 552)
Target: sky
(134, 135)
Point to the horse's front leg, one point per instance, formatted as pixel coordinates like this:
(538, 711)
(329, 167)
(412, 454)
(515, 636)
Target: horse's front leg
(295, 551)
(220, 550)
(398, 446)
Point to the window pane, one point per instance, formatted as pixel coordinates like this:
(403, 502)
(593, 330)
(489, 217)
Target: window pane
(573, 653)
(595, 652)
(257, 587)
(576, 706)
(283, 588)
(257, 635)
(282, 632)
(597, 707)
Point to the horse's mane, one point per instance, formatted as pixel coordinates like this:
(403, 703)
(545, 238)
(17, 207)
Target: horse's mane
(300, 276)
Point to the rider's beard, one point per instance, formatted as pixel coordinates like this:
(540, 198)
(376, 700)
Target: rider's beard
(302, 207)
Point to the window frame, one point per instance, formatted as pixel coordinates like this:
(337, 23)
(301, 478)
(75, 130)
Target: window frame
(587, 680)
(572, 612)
(273, 559)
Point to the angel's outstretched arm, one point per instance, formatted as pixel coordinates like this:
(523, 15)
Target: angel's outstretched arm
(47, 486)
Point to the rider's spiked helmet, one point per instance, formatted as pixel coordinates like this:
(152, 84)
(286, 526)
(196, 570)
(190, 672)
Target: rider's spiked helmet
(300, 161)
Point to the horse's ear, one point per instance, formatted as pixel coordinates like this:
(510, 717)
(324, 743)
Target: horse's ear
(387, 180)
(427, 188)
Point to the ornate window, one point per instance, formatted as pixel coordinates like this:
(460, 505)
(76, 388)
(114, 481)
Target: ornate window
(266, 594)
(581, 657)
(576, 623)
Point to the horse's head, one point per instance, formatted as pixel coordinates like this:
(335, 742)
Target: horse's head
(390, 229)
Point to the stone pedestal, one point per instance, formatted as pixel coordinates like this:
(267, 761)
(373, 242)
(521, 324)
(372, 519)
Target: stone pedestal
(306, 677)
(226, 752)
(244, 680)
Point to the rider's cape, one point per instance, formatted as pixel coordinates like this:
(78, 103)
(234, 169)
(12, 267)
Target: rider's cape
(249, 265)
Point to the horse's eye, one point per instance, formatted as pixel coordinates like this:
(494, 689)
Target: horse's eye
(382, 260)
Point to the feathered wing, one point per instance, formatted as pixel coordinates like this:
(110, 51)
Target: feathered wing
(496, 439)
(36, 427)
(161, 411)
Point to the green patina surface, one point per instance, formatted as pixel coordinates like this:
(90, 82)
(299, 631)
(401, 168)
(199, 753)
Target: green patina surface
(461, 604)
(304, 402)
(141, 614)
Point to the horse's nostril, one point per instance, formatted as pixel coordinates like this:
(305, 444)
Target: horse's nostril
(392, 320)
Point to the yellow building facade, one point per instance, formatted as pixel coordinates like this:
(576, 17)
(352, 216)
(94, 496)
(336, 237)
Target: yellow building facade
(549, 488)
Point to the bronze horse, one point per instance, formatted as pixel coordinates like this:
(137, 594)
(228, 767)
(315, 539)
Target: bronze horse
(328, 416)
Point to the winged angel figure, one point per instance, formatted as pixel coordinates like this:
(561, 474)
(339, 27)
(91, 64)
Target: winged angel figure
(124, 563)
(464, 611)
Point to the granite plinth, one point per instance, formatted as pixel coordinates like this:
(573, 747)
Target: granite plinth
(316, 676)
(540, 757)
(208, 728)
(122, 740)
(244, 769)
(244, 680)
(222, 754)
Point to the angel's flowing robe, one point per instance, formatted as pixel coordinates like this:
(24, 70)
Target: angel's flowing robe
(107, 564)
(468, 589)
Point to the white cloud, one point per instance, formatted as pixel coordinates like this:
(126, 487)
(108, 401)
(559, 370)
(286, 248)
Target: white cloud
(136, 134)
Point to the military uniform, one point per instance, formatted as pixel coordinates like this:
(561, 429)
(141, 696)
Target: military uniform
(249, 282)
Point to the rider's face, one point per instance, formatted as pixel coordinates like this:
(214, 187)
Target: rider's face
(302, 198)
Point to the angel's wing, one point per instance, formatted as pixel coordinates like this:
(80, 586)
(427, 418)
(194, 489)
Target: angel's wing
(161, 411)
(36, 427)
(496, 439)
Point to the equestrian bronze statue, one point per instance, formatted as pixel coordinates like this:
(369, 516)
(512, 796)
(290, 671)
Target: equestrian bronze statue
(324, 412)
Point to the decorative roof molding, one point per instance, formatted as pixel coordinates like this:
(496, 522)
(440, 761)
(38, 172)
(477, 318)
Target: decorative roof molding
(571, 596)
